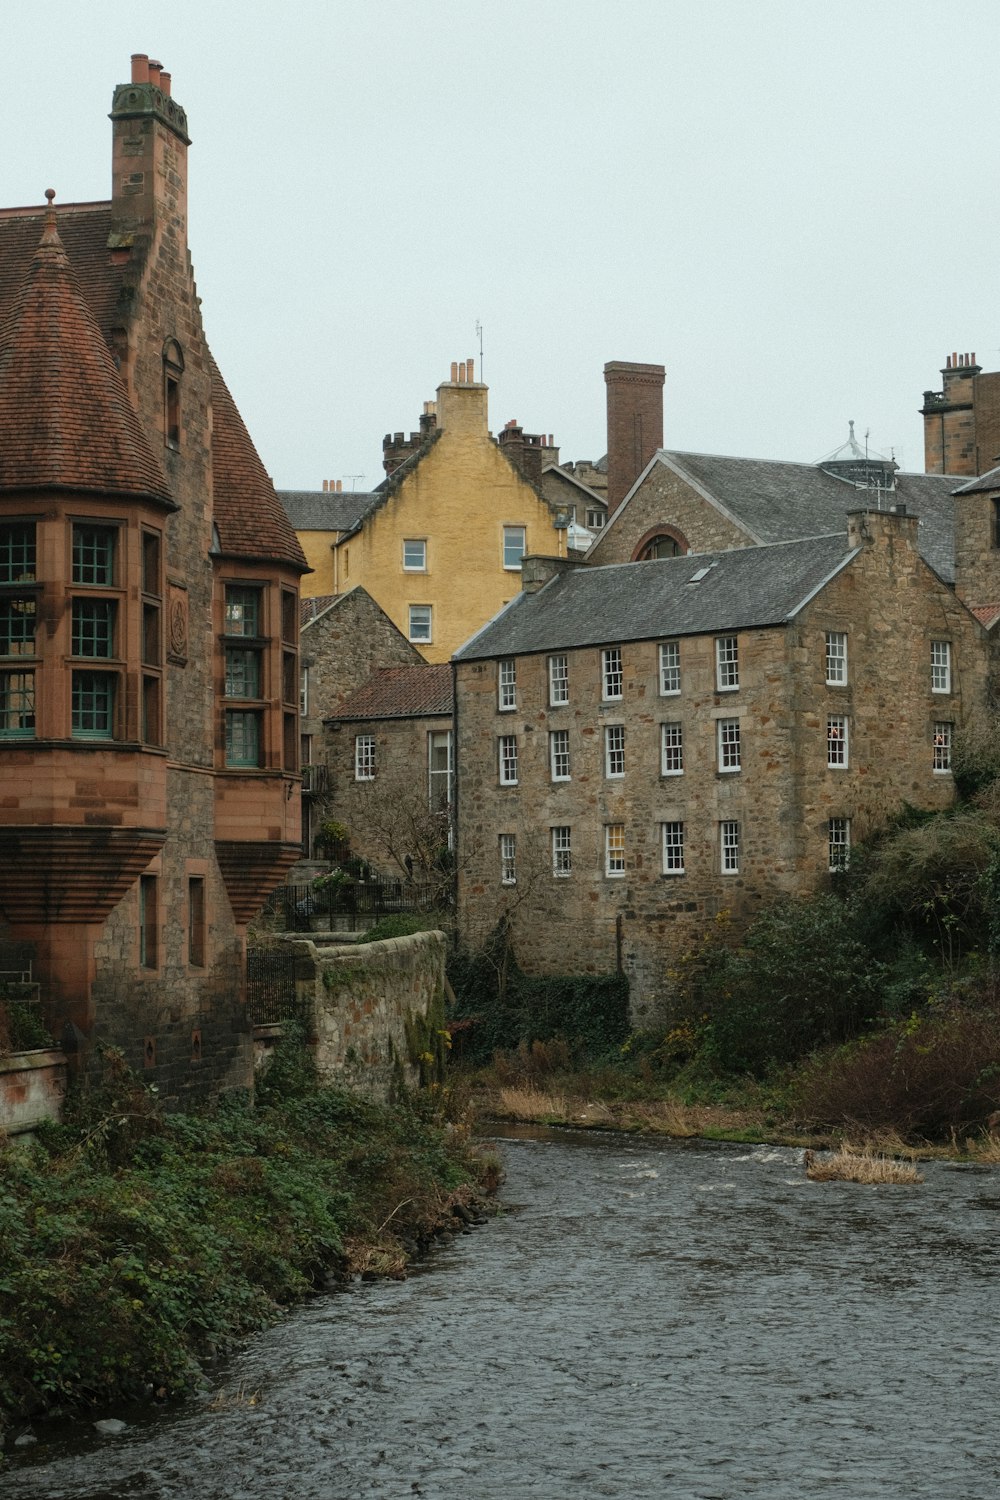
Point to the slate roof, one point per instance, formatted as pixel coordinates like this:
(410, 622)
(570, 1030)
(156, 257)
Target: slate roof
(65, 414)
(774, 501)
(418, 692)
(744, 589)
(988, 481)
(319, 510)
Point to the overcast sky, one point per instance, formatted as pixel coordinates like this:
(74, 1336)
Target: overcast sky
(791, 204)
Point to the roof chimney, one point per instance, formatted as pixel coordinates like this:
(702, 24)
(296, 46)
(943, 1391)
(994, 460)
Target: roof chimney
(635, 423)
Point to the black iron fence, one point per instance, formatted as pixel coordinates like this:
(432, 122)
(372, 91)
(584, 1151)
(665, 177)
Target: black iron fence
(349, 903)
(271, 992)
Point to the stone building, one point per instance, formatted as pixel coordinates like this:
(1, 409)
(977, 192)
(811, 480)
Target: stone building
(149, 626)
(642, 747)
(962, 419)
(390, 757)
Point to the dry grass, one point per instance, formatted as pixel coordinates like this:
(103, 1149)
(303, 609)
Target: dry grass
(859, 1164)
(985, 1149)
(528, 1103)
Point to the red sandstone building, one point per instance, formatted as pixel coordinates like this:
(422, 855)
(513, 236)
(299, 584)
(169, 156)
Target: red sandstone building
(149, 615)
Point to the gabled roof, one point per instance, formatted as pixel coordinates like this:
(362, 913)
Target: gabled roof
(774, 501)
(988, 481)
(246, 509)
(311, 609)
(321, 510)
(418, 692)
(559, 472)
(743, 589)
(65, 414)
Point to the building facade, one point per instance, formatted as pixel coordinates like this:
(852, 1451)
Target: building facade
(643, 747)
(962, 419)
(149, 627)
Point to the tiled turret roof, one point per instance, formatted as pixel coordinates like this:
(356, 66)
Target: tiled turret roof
(65, 413)
(250, 518)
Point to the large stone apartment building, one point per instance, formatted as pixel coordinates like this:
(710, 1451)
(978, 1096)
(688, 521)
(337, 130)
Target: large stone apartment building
(149, 627)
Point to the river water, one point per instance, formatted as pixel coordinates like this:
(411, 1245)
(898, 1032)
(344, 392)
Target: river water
(671, 1319)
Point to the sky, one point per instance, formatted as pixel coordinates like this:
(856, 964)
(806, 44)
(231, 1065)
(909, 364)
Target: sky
(790, 204)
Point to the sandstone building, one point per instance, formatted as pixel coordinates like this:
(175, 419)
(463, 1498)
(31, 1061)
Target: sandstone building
(962, 419)
(149, 626)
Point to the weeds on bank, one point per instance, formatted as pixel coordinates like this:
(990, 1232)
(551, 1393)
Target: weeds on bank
(860, 1164)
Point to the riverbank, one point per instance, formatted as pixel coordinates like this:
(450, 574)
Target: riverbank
(137, 1247)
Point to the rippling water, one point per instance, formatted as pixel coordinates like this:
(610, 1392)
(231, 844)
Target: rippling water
(664, 1319)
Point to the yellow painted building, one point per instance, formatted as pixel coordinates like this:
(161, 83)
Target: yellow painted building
(439, 545)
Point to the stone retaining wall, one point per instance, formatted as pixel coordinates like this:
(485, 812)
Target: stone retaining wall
(32, 1085)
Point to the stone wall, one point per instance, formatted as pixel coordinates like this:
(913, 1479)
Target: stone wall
(373, 1008)
(32, 1086)
(664, 498)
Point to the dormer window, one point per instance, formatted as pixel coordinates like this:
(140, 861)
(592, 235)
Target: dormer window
(173, 369)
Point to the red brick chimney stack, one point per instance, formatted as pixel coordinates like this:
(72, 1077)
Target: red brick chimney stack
(635, 423)
(149, 151)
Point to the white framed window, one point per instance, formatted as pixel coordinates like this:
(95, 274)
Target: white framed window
(940, 666)
(729, 846)
(614, 849)
(513, 548)
(304, 693)
(614, 750)
(611, 674)
(836, 740)
(595, 520)
(673, 848)
(508, 759)
(506, 684)
(943, 733)
(414, 555)
(420, 622)
(670, 668)
(562, 854)
(727, 663)
(558, 680)
(836, 658)
(508, 859)
(440, 769)
(839, 843)
(728, 733)
(364, 757)
(671, 749)
(559, 754)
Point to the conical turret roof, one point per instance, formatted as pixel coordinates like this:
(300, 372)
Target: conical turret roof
(66, 420)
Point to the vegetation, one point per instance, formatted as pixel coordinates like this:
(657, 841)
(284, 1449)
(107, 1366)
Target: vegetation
(853, 1164)
(135, 1245)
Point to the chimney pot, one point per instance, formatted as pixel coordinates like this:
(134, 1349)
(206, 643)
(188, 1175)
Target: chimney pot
(470, 365)
(154, 73)
(165, 82)
(462, 377)
(454, 372)
(340, 486)
(140, 67)
(326, 485)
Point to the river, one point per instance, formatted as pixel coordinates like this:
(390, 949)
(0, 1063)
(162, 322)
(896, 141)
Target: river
(673, 1319)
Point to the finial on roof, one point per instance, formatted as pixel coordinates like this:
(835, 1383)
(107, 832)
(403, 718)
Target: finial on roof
(851, 426)
(50, 194)
(50, 233)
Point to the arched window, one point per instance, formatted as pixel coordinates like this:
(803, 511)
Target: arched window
(660, 541)
(173, 369)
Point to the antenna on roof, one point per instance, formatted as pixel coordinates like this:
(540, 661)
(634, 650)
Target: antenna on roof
(479, 336)
(353, 477)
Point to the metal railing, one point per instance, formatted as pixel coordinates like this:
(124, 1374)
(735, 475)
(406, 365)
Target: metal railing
(348, 903)
(271, 991)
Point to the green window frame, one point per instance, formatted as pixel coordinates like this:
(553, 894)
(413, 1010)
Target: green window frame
(243, 611)
(17, 552)
(94, 554)
(242, 672)
(243, 737)
(93, 627)
(17, 627)
(17, 705)
(93, 705)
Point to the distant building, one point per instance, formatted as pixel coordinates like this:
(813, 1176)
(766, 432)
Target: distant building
(962, 420)
(149, 627)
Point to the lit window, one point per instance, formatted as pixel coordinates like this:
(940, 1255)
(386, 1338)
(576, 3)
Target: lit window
(839, 843)
(513, 547)
(673, 848)
(562, 857)
(93, 705)
(364, 757)
(243, 613)
(611, 673)
(243, 738)
(508, 859)
(17, 705)
(729, 744)
(507, 684)
(836, 740)
(670, 668)
(559, 754)
(440, 769)
(420, 622)
(414, 556)
(17, 627)
(558, 680)
(836, 658)
(729, 843)
(94, 555)
(17, 552)
(671, 749)
(942, 746)
(727, 664)
(614, 849)
(508, 759)
(614, 750)
(940, 666)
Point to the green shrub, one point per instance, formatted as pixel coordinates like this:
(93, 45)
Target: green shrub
(402, 924)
